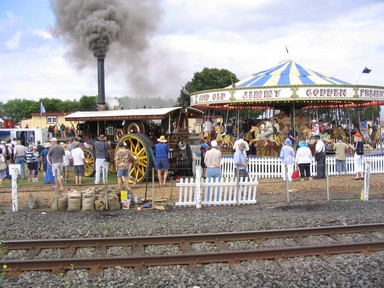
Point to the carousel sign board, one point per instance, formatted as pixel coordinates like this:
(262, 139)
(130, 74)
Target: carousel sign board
(292, 93)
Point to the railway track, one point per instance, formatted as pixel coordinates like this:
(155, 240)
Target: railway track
(63, 254)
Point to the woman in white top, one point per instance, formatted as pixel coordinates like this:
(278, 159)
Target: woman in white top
(304, 159)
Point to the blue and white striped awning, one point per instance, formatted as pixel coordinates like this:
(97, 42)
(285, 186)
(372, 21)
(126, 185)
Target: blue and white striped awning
(288, 73)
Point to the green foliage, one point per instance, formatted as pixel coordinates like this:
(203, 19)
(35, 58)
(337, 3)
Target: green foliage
(87, 103)
(342, 115)
(207, 79)
(18, 109)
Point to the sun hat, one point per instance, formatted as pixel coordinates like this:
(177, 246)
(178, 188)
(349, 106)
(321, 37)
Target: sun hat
(303, 144)
(214, 144)
(162, 139)
(242, 146)
(313, 121)
(101, 137)
(47, 145)
(287, 142)
(53, 139)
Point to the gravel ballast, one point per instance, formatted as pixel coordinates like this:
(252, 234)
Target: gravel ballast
(350, 270)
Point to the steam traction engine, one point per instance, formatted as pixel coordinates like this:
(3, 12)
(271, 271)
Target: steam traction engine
(139, 129)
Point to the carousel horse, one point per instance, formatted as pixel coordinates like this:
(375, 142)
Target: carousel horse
(306, 133)
(218, 133)
(375, 139)
(228, 140)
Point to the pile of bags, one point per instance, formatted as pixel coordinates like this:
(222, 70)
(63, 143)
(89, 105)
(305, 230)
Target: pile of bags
(89, 199)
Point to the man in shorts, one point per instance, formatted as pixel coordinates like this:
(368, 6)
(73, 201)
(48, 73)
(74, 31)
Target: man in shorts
(78, 159)
(162, 163)
(55, 159)
(123, 165)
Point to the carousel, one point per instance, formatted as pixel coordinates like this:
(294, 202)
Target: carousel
(293, 90)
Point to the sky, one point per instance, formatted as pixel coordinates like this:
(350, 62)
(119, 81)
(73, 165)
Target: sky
(166, 41)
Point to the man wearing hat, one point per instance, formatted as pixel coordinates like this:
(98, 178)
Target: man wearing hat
(102, 148)
(55, 158)
(240, 161)
(320, 157)
(287, 154)
(162, 164)
(212, 160)
(236, 145)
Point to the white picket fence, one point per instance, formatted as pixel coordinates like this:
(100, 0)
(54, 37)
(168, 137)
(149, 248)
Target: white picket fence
(271, 167)
(224, 191)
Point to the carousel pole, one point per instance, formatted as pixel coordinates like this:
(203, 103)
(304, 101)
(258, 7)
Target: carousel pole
(349, 125)
(294, 126)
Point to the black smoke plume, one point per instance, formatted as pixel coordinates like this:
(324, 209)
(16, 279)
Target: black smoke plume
(118, 29)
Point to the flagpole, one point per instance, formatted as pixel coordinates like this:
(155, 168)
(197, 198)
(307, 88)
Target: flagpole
(286, 49)
(359, 78)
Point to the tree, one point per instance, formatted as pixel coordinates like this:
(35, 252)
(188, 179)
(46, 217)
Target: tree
(18, 109)
(207, 79)
(87, 103)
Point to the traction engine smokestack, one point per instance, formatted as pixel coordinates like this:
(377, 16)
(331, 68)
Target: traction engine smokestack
(101, 84)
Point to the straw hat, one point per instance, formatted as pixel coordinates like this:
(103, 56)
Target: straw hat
(162, 139)
(101, 137)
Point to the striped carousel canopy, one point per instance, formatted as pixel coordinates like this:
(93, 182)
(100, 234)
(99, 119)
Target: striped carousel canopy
(288, 73)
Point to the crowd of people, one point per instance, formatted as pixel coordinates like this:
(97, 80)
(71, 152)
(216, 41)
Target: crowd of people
(55, 161)
(51, 159)
(290, 157)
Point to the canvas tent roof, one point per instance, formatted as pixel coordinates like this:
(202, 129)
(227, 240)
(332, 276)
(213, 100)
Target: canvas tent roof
(288, 73)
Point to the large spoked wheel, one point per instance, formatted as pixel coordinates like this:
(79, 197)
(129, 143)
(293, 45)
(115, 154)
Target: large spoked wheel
(89, 155)
(141, 148)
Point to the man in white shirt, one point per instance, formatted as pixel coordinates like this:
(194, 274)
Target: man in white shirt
(237, 143)
(207, 127)
(78, 163)
(320, 157)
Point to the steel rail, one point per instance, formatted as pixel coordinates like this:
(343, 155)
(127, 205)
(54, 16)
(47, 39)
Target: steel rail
(186, 239)
(14, 267)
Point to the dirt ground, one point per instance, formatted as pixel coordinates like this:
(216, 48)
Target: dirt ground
(268, 191)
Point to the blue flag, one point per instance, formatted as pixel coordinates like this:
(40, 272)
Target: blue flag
(366, 70)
